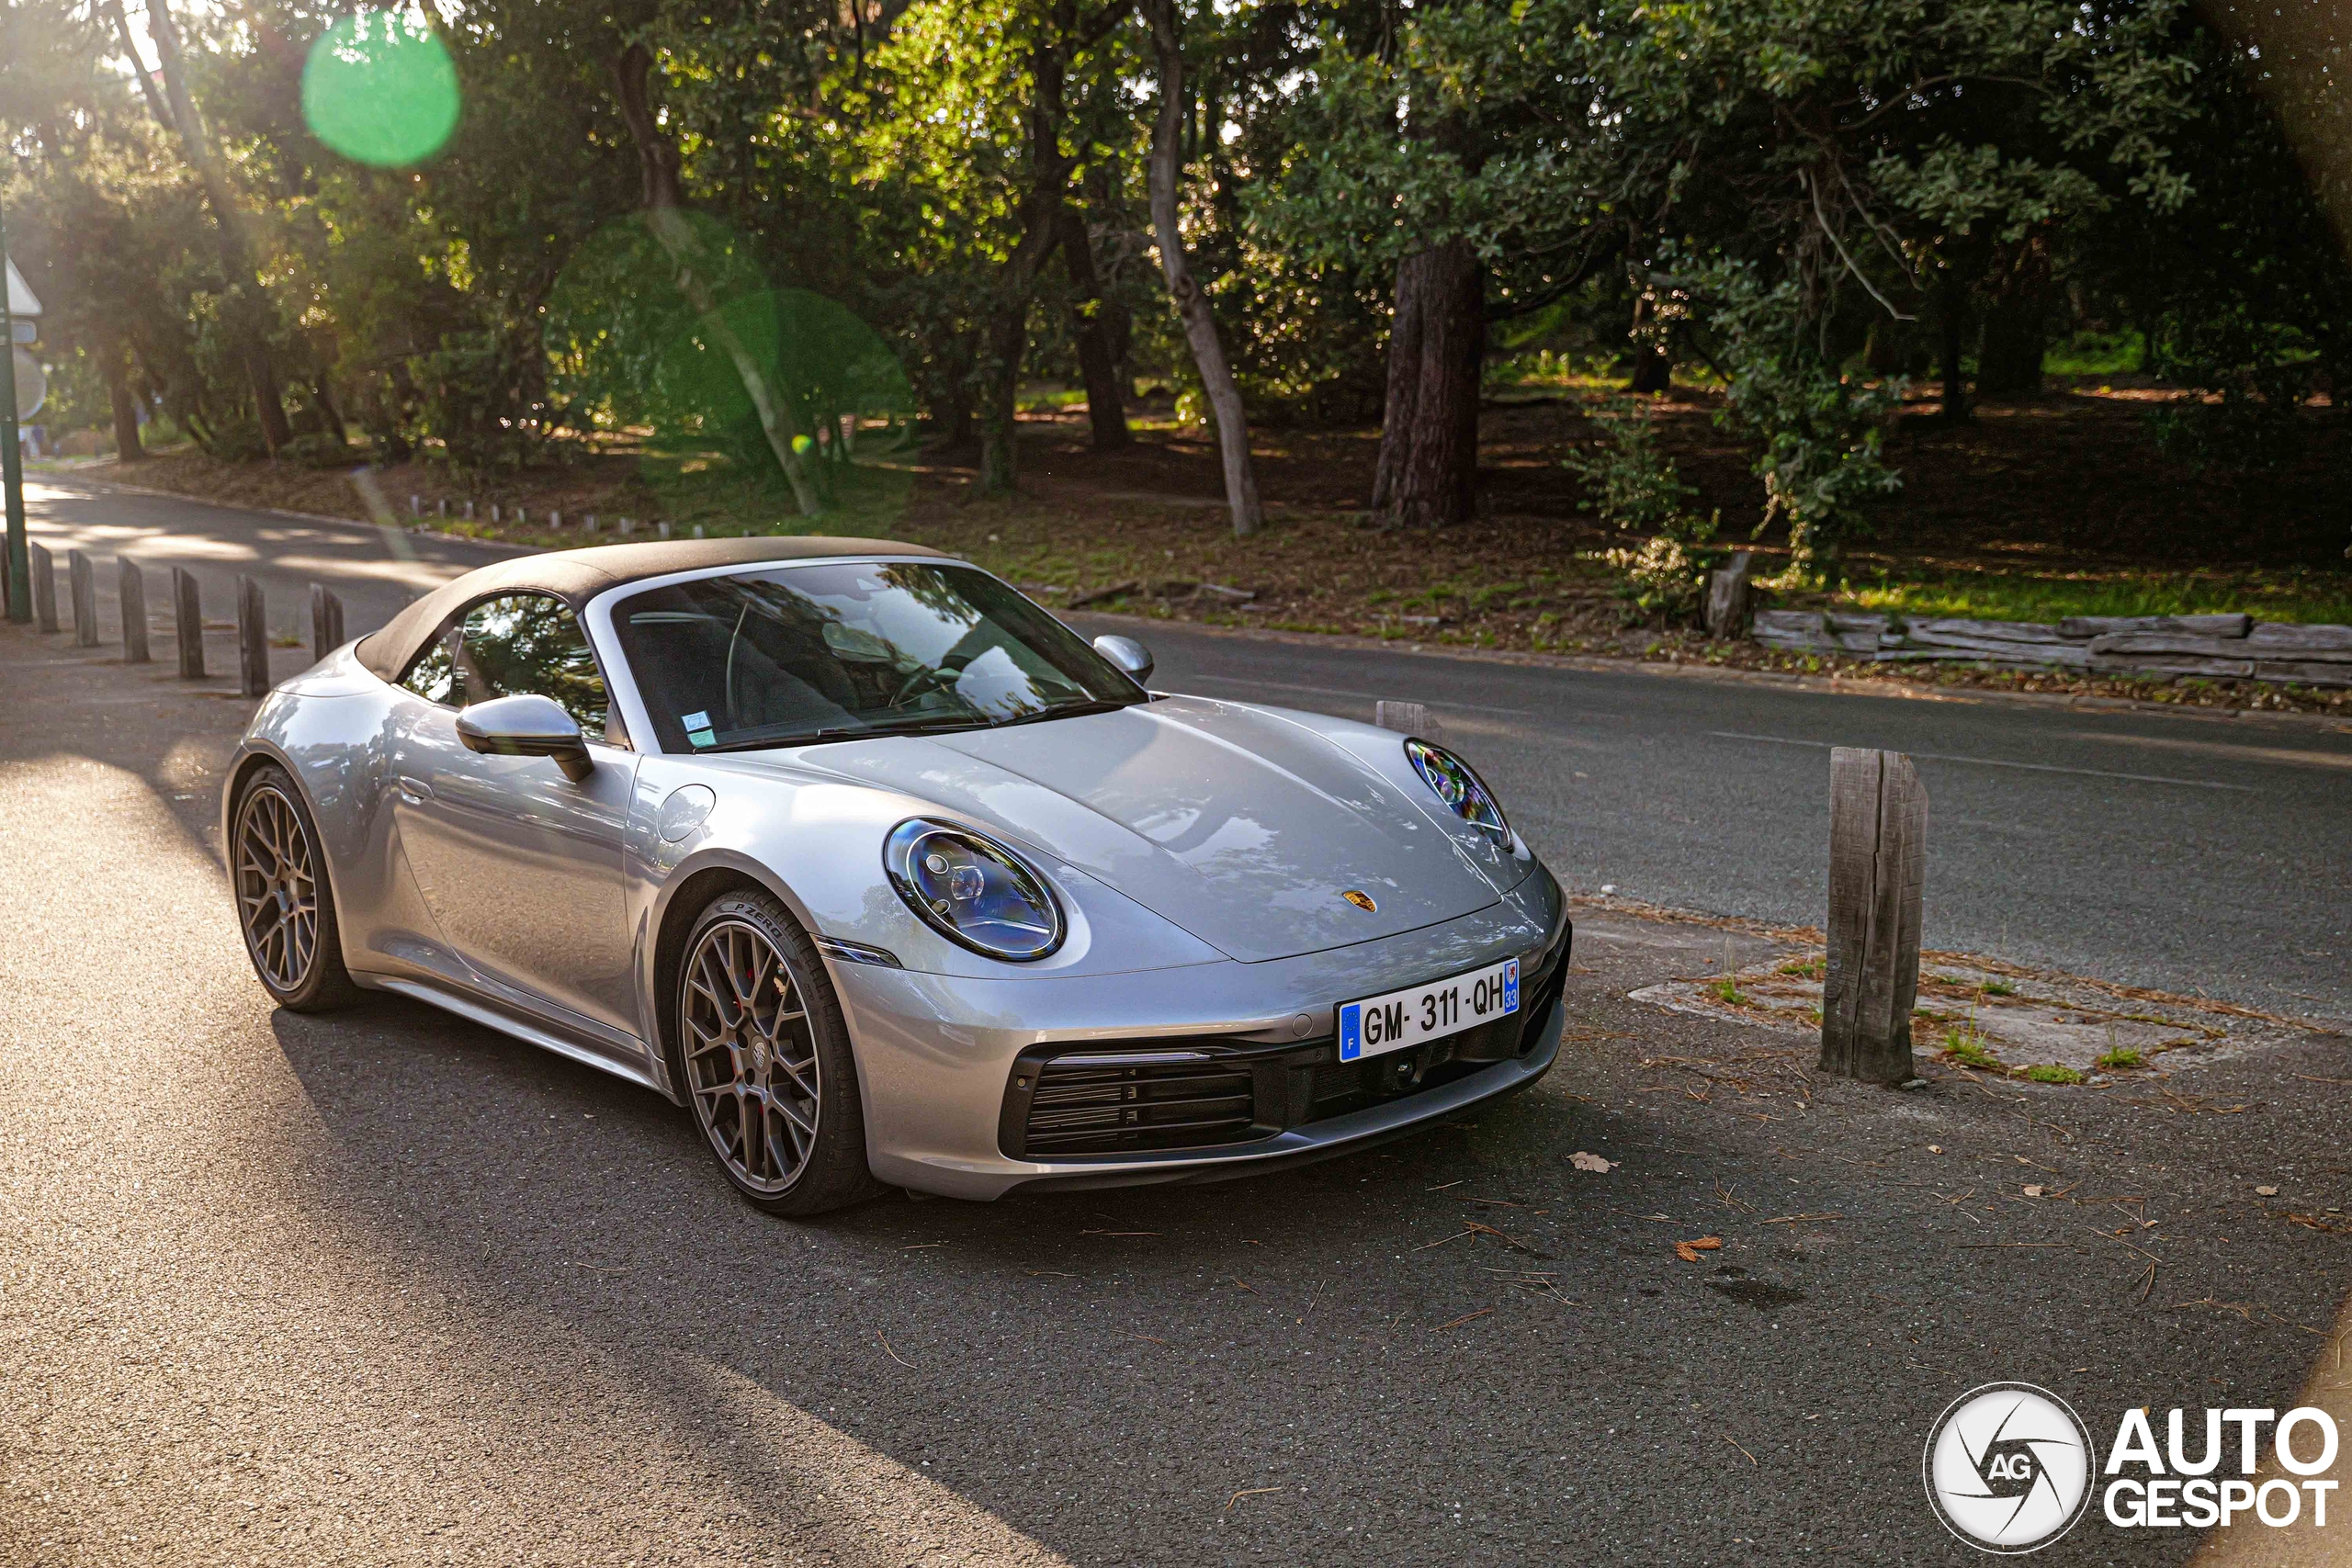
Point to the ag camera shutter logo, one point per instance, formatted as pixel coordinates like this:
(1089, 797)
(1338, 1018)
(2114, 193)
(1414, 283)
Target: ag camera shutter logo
(2008, 1468)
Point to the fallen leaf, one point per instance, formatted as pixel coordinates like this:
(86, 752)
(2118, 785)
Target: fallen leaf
(2033, 1189)
(1592, 1162)
(1688, 1250)
(2265, 1191)
(1935, 1148)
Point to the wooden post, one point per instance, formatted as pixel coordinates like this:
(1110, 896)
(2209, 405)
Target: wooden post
(1878, 865)
(188, 623)
(82, 587)
(415, 504)
(326, 621)
(44, 588)
(444, 504)
(1728, 596)
(628, 527)
(253, 640)
(555, 521)
(132, 588)
(1405, 718)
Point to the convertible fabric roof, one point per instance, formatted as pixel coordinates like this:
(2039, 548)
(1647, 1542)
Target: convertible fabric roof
(578, 576)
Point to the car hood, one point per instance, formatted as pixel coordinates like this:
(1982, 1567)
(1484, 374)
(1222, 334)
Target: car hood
(1234, 823)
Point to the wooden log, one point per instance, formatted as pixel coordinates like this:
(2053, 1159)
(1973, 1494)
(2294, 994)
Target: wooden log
(1878, 858)
(2152, 665)
(2033, 633)
(2229, 625)
(44, 588)
(2303, 672)
(1405, 718)
(2175, 645)
(1941, 644)
(188, 623)
(131, 587)
(1798, 629)
(253, 640)
(326, 621)
(2275, 640)
(82, 588)
(1728, 595)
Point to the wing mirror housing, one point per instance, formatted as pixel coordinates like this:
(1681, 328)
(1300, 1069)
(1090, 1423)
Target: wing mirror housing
(1129, 655)
(527, 725)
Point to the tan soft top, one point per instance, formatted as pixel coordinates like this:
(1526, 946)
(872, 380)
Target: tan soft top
(578, 576)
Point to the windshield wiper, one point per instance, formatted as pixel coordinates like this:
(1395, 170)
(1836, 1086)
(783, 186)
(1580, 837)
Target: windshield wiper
(843, 732)
(1066, 710)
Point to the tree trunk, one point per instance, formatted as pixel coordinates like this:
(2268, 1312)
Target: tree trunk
(1191, 308)
(1428, 439)
(1653, 362)
(1105, 410)
(1006, 335)
(246, 299)
(658, 164)
(1953, 312)
(2016, 325)
(128, 447)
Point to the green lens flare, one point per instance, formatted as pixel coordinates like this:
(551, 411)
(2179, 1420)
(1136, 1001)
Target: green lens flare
(381, 88)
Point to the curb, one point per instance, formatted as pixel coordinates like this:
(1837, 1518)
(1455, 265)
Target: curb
(1828, 684)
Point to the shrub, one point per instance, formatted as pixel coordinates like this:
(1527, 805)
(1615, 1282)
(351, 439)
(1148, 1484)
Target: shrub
(1635, 488)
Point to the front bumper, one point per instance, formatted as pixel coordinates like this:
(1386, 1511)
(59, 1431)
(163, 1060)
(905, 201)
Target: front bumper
(949, 1067)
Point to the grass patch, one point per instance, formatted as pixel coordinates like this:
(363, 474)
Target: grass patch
(1804, 968)
(1965, 1046)
(2317, 597)
(1727, 991)
(1998, 989)
(2122, 1057)
(2050, 1071)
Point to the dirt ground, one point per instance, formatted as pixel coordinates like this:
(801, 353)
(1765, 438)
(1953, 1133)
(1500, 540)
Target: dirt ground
(2064, 489)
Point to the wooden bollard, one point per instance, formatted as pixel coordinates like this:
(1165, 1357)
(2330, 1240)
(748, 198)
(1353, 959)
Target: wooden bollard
(253, 640)
(1405, 718)
(326, 621)
(1878, 867)
(82, 588)
(188, 623)
(131, 589)
(588, 522)
(1728, 595)
(628, 526)
(44, 588)
(555, 520)
(469, 512)
(444, 504)
(415, 504)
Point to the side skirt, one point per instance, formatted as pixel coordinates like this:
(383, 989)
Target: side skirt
(531, 1031)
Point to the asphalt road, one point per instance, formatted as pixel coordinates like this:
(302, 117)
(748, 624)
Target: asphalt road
(2190, 855)
(382, 1286)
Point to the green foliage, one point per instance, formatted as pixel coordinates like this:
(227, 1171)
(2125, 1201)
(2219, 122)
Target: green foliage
(1820, 429)
(2050, 1071)
(1632, 487)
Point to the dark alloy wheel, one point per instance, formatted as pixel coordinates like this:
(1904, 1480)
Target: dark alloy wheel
(764, 1059)
(284, 906)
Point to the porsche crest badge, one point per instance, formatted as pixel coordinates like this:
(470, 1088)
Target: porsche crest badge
(1362, 900)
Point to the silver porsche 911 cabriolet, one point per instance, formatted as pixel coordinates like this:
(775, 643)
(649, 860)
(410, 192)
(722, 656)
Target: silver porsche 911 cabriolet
(890, 878)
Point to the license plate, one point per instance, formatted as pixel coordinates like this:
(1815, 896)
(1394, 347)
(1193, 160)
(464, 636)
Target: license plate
(1379, 1024)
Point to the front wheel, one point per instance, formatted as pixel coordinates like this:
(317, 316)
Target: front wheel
(284, 905)
(764, 1059)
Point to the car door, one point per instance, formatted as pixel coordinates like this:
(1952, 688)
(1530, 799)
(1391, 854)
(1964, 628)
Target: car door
(521, 866)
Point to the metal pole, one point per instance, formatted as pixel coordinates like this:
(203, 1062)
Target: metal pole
(12, 470)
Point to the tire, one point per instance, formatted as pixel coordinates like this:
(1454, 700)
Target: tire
(757, 1032)
(277, 870)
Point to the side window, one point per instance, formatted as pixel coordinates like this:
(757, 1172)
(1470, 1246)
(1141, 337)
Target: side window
(529, 642)
(433, 675)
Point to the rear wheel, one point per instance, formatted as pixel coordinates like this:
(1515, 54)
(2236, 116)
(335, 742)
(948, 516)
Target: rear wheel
(764, 1059)
(284, 905)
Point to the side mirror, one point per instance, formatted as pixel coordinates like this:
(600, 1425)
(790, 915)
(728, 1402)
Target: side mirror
(527, 725)
(1127, 654)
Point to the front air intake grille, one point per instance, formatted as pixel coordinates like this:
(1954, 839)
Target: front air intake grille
(1111, 1105)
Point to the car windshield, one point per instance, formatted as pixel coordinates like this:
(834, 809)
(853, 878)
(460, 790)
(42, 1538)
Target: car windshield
(834, 651)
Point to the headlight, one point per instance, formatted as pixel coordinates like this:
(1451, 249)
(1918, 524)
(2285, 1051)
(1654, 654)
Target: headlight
(1457, 785)
(973, 890)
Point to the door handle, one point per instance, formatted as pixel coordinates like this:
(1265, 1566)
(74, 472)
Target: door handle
(413, 790)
